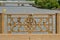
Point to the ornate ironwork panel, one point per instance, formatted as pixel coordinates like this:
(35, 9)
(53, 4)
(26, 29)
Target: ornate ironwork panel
(36, 23)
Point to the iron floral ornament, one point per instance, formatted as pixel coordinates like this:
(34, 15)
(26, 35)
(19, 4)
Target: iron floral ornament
(30, 23)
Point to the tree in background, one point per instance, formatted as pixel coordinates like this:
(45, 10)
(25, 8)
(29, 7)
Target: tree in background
(59, 2)
(47, 3)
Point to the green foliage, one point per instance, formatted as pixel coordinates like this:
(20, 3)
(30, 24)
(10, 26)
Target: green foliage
(47, 3)
(59, 2)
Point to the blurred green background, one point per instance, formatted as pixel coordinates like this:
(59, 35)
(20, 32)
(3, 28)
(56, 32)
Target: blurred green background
(48, 4)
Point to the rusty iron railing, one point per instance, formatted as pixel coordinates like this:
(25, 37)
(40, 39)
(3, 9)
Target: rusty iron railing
(28, 23)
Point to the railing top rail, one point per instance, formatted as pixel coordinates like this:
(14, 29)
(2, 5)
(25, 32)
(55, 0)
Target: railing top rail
(29, 14)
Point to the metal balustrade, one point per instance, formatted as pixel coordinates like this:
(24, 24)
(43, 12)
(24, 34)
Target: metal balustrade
(28, 23)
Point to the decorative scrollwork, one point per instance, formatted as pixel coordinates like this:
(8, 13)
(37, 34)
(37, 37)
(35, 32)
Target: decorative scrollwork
(29, 23)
